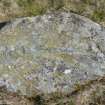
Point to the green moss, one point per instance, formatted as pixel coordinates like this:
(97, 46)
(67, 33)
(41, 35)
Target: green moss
(90, 8)
(39, 100)
(31, 7)
(94, 9)
(88, 2)
(57, 4)
(6, 3)
(71, 102)
(98, 15)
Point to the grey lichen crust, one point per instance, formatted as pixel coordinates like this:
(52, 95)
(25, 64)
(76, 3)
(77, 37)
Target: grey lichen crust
(50, 53)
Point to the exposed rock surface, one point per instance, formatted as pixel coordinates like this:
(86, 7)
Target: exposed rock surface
(50, 53)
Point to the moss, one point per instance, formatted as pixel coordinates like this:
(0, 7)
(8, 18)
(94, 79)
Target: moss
(58, 4)
(89, 8)
(6, 3)
(98, 15)
(88, 2)
(31, 7)
(71, 102)
(81, 8)
(78, 88)
(38, 100)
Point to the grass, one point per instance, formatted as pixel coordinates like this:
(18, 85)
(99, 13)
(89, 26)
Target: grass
(89, 8)
(6, 3)
(98, 15)
(31, 7)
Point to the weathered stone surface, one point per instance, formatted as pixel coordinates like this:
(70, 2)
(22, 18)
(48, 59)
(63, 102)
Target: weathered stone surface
(50, 53)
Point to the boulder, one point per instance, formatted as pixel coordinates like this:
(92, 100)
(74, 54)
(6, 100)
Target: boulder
(50, 53)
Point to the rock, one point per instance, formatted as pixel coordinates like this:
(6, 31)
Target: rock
(50, 53)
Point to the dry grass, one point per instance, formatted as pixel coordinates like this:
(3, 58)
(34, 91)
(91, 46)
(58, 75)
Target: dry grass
(19, 8)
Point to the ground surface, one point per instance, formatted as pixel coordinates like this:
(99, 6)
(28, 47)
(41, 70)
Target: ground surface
(90, 93)
(93, 9)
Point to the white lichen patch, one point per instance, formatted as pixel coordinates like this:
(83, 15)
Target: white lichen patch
(67, 71)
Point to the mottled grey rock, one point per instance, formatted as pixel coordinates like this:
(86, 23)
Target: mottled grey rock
(50, 53)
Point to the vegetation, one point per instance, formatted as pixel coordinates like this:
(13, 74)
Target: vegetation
(89, 8)
(31, 7)
(98, 15)
(94, 9)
